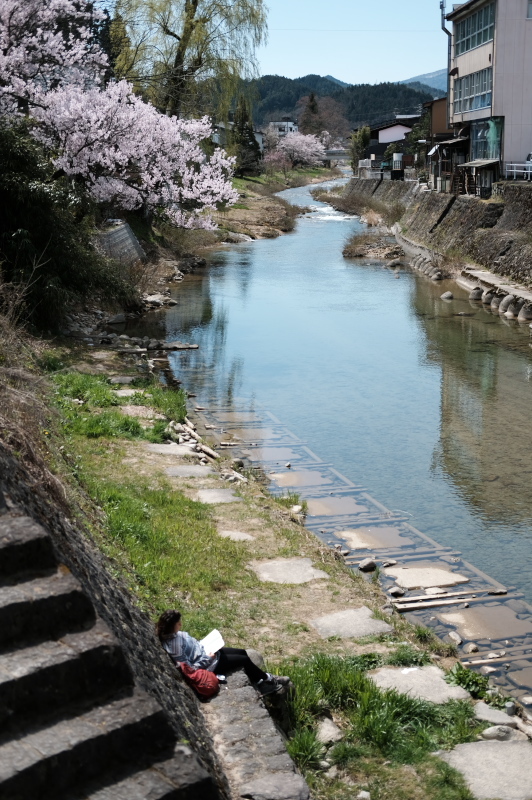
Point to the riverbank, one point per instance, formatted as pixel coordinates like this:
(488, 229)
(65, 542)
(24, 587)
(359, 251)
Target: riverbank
(170, 537)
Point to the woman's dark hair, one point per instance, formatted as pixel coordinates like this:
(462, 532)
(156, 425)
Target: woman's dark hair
(166, 624)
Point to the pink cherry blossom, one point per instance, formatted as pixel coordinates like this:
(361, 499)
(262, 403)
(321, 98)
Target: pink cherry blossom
(130, 155)
(301, 149)
(124, 151)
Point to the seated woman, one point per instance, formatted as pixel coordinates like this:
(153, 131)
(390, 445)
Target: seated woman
(183, 647)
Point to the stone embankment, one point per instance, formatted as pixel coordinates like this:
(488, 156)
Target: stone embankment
(494, 234)
(88, 709)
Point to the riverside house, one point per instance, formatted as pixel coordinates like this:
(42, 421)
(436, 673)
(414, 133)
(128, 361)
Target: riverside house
(490, 83)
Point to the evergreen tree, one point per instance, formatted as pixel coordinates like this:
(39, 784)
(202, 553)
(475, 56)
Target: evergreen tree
(245, 146)
(310, 121)
(359, 141)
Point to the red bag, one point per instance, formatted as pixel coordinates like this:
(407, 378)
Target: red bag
(205, 683)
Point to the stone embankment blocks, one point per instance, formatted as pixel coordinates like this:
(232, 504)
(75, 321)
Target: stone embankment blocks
(249, 745)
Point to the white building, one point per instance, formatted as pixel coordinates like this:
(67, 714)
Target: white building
(284, 126)
(222, 131)
(491, 81)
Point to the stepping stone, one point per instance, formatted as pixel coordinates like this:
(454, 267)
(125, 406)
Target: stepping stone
(142, 412)
(424, 683)
(372, 538)
(494, 621)
(353, 623)
(127, 392)
(189, 471)
(424, 577)
(172, 449)
(287, 570)
(494, 769)
(236, 536)
(488, 714)
(334, 506)
(123, 379)
(213, 496)
(302, 477)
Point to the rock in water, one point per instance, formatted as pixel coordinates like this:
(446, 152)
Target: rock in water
(446, 296)
(367, 565)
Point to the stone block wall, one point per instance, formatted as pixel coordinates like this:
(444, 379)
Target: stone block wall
(496, 234)
(151, 667)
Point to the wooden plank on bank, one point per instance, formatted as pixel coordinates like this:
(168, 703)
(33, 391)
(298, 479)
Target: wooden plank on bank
(443, 596)
(417, 606)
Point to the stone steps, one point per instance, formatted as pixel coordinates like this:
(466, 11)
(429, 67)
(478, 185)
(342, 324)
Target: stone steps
(73, 726)
(25, 550)
(43, 608)
(45, 680)
(174, 779)
(49, 761)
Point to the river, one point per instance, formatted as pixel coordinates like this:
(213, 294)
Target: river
(399, 390)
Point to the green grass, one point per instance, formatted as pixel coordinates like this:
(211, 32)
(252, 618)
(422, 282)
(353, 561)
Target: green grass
(169, 542)
(81, 398)
(408, 656)
(378, 724)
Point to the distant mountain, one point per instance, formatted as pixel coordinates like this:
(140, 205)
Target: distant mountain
(276, 96)
(335, 80)
(438, 79)
(423, 87)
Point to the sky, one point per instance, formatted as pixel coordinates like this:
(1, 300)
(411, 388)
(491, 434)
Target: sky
(355, 41)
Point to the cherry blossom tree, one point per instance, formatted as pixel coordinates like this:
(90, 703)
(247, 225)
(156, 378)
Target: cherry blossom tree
(301, 149)
(119, 147)
(45, 44)
(128, 154)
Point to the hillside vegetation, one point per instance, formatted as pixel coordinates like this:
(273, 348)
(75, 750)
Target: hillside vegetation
(278, 96)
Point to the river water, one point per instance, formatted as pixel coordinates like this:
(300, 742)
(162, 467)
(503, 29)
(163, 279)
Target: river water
(401, 391)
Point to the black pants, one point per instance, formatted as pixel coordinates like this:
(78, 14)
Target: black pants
(233, 658)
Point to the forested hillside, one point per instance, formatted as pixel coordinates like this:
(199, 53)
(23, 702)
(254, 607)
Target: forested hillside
(277, 96)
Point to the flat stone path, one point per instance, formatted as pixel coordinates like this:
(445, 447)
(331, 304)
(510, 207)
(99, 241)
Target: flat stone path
(172, 449)
(237, 536)
(287, 570)
(189, 471)
(424, 683)
(501, 770)
(214, 496)
(353, 623)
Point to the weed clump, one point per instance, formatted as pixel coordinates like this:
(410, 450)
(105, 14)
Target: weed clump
(376, 723)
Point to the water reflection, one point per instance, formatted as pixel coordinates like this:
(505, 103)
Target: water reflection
(485, 445)
(424, 402)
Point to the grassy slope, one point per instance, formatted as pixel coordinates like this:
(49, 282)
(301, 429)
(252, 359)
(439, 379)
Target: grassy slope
(166, 546)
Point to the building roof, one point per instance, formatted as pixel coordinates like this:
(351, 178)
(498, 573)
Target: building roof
(459, 9)
(480, 162)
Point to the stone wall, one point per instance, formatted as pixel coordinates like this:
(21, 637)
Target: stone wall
(151, 667)
(496, 233)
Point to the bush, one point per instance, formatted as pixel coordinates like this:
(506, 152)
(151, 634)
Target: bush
(45, 242)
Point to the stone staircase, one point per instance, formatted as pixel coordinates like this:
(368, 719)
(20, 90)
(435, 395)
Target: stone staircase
(73, 724)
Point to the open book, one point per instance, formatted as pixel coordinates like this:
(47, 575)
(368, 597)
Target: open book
(213, 642)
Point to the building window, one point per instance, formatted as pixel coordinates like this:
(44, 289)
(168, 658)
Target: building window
(529, 10)
(473, 91)
(477, 29)
(486, 137)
